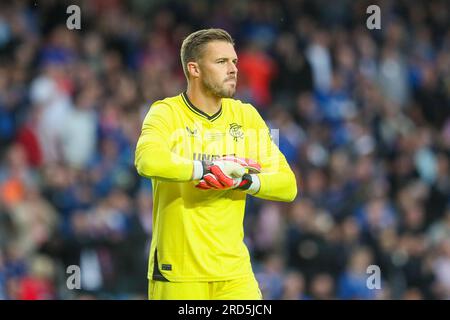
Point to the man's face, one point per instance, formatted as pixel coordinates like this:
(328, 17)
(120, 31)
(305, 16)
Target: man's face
(218, 71)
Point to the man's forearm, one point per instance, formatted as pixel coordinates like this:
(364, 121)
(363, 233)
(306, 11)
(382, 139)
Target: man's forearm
(279, 186)
(154, 162)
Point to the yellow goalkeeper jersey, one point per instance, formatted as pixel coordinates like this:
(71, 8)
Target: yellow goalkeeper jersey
(198, 234)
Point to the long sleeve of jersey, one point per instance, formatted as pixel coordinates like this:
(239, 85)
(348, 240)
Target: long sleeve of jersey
(278, 182)
(153, 156)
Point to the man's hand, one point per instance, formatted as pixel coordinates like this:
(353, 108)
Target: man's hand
(228, 173)
(242, 183)
(219, 174)
(251, 165)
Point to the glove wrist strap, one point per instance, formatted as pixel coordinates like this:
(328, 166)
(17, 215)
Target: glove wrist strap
(255, 185)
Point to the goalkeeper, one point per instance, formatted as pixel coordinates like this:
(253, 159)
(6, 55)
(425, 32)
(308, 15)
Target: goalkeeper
(204, 152)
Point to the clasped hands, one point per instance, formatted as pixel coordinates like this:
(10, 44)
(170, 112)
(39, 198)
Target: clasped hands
(228, 172)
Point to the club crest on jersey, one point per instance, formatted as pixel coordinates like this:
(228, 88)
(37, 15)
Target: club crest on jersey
(236, 131)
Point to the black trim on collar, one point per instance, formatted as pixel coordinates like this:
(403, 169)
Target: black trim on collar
(199, 112)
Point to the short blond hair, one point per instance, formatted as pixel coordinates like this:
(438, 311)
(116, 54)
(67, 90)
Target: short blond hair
(192, 47)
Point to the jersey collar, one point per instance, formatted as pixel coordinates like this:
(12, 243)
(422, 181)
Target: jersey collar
(199, 112)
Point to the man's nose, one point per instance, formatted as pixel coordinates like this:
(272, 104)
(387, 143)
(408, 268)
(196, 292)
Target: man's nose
(232, 69)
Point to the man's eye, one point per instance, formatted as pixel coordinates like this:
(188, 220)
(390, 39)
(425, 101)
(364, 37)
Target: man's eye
(222, 61)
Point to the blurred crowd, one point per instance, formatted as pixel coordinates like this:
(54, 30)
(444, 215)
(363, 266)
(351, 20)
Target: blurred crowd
(363, 118)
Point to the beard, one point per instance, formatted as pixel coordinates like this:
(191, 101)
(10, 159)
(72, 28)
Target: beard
(221, 90)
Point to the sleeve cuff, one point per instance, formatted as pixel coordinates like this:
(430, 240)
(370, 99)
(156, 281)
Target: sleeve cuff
(198, 170)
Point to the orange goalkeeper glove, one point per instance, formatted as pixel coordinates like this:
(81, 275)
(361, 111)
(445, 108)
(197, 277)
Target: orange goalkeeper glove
(228, 172)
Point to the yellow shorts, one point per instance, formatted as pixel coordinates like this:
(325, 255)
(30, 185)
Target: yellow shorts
(237, 289)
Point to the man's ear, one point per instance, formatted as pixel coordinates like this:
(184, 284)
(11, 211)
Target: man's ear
(193, 69)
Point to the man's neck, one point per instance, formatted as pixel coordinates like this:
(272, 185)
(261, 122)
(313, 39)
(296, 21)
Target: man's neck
(207, 103)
